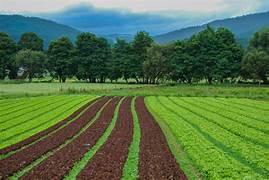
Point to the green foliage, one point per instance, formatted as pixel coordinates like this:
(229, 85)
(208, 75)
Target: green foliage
(60, 62)
(156, 65)
(32, 62)
(142, 41)
(7, 51)
(30, 40)
(121, 59)
(256, 61)
(93, 55)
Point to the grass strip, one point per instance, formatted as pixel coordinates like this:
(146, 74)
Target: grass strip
(183, 159)
(3, 156)
(130, 170)
(83, 162)
(20, 173)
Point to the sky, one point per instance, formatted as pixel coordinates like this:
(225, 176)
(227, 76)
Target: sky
(168, 7)
(129, 16)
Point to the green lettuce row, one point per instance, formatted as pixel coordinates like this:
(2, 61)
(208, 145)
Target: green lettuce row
(45, 121)
(16, 119)
(248, 119)
(251, 155)
(208, 158)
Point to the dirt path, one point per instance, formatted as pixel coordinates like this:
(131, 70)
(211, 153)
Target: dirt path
(156, 160)
(59, 164)
(46, 131)
(24, 157)
(109, 160)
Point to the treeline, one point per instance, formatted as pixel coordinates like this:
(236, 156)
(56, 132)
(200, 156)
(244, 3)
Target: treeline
(211, 55)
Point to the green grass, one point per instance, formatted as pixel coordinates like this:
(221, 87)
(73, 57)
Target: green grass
(19, 126)
(130, 170)
(183, 90)
(218, 147)
(78, 166)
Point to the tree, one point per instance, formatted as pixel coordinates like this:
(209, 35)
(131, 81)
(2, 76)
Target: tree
(93, 54)
(256, 65)
(7, 51)
(33, 62)
(142, 41)
(120, 62)
(156, 65)
(260, 40)
(30, 40)
(60, 54)
(230, 55)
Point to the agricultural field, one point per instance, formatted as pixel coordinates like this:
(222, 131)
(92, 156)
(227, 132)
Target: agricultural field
(130, 137)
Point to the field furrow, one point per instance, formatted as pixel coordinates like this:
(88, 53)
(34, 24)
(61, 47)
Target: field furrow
(109, 159)
(156, 160)
(63, 160)
(23, 158)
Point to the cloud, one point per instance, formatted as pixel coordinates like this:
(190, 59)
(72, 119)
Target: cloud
(194, 6)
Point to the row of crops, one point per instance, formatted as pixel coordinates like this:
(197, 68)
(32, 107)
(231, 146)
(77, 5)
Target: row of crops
(210, 138)
(23, 117)
(221, 137)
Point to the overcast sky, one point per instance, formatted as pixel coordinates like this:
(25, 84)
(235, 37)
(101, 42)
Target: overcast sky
(168, 7)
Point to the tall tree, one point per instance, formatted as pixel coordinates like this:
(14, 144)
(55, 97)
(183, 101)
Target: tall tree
(256, 65)
(7, 51)
(230, 55)
(256, 61)
(120, 62)
(30, 40)
(60, 58)
(156, 65)
(142, 41)
(92, 56)
(33, 62)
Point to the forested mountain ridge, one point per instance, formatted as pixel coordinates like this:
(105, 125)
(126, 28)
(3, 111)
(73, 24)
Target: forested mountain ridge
(16, 25)
(243, 27)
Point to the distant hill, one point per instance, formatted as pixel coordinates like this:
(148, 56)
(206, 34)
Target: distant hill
(243, 27)
(15, 25)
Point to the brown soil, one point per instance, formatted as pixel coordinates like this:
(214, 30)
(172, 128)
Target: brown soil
(61, 162)
(156, 160)
(24, 157)
(109, 161)
(39, 135)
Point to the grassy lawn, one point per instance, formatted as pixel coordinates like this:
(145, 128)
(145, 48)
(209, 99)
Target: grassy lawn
(183, 90)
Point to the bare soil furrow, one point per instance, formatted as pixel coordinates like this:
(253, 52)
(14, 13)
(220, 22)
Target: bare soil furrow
(109, 161)
(24, 157)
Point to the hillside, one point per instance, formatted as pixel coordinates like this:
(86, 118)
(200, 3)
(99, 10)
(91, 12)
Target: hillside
(15, 25)
(242, 26)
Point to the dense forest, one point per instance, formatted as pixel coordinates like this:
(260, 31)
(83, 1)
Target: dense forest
(211, 55)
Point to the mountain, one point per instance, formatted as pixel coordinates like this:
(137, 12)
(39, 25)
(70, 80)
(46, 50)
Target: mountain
(243, 27)
(102, 21)
(15, 25)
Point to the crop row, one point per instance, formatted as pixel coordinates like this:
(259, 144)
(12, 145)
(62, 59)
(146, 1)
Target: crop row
(40, 119)
(208, 142)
